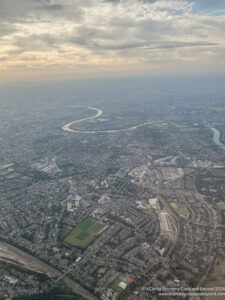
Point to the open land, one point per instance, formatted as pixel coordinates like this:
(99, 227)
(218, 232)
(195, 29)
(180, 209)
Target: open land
(83, 235)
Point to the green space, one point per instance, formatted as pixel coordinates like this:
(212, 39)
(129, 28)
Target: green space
(179, 125)
(181, 211)
(84, 233)
(188, 171)
(13, 175)
(212, 175)
(174, 206)
(147, 211)
(71, 169)
(116, 287)
(218, 172)
(189, 129)
(216, 276)
(160, 125)
(212, 179)
(25, 178)
(65, 231)
(4, 172)
(221, 205)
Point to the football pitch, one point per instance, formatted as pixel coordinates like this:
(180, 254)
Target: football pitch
(84, 233)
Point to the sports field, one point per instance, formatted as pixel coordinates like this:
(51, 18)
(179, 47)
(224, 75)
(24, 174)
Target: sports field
(181, 211)
(84, 233)
(221, 205)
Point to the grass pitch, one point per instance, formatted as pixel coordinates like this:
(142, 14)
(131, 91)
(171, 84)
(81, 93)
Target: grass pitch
(84, 233)
(147, 211)
(116, 286)
(181, 211)
(188, 171)
(221, 205)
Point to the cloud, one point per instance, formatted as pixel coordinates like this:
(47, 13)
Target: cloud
(52, 7)
(6, 29)
(15, 10)
(175, 44)
(214, 4)
(123, 1)
(108, 32)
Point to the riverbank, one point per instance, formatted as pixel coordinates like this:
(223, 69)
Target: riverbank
(216, 137)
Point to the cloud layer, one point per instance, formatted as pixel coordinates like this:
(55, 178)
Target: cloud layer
(75, 36)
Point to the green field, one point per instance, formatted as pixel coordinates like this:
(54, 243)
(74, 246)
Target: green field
(116, 287)
(4, 172)
(147, 211)
(13, 175)
(188, 171)
(174, 206)
(212, 179)
(220, 172)
(65, 231)
(159, 125)
(189, 129)
(84, 233)
(25, 178)
(179, 125)
(181, 211)
(9, 174)
(216, 175)
(221, 205)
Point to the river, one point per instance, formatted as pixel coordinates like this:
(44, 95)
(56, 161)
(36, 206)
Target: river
(216, 137)
(99, 112)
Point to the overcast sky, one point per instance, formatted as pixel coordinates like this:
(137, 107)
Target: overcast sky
(83, 38)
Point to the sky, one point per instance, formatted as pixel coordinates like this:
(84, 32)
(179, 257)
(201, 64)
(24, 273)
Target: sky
(91, 38)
